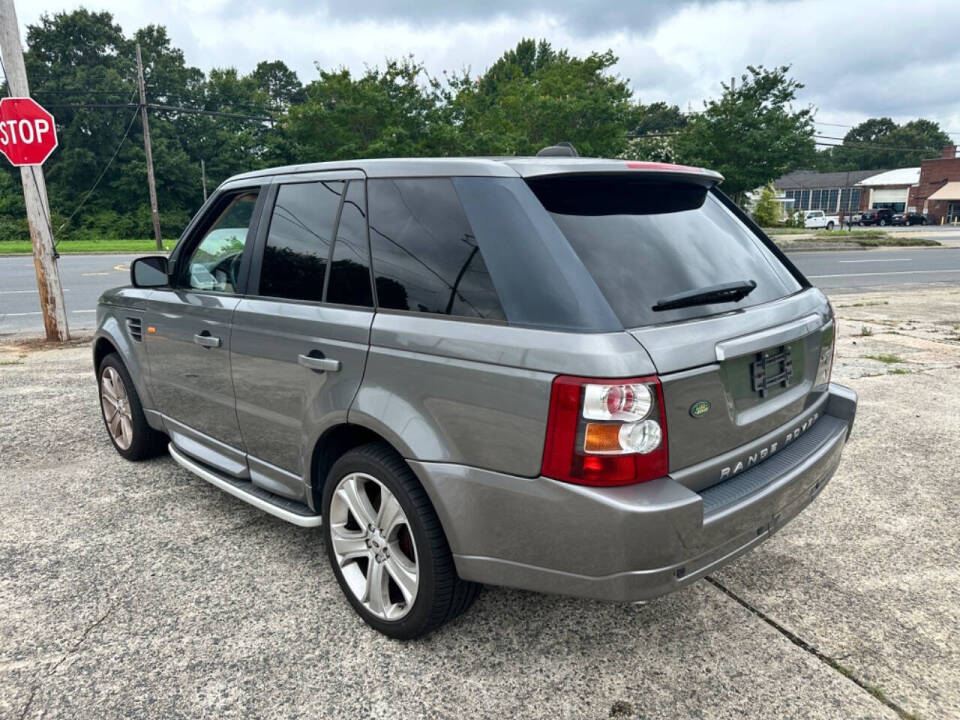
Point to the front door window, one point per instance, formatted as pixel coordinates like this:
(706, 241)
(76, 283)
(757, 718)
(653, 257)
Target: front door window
(215, 262)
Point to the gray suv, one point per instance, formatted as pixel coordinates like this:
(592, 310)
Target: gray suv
(568, 375)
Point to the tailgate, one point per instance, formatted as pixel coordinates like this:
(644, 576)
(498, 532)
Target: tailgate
(729, 380)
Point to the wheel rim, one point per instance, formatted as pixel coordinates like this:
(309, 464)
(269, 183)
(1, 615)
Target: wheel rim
(116, 408)
(373, 546)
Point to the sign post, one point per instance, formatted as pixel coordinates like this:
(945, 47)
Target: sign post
(27, 137)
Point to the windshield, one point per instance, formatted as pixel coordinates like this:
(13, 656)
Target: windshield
(645, 240)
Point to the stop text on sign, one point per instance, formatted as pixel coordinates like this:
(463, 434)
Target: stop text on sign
(27, 131)
(13, 132)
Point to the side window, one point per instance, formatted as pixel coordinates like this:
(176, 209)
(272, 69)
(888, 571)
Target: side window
(298, 243)
(425, 256)
(349, 282)
(215, 262)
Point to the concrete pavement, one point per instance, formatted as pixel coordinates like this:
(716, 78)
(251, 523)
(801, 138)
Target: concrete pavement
(141, 591)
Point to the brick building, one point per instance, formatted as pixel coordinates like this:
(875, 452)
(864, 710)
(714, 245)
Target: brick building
(938, 192)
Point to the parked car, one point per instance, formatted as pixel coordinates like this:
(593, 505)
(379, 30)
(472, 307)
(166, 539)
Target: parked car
(819, 219)
(875, 216)
(590, 377)
(913, 218)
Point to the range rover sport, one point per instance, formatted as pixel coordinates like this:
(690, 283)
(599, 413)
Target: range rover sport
(568, 375)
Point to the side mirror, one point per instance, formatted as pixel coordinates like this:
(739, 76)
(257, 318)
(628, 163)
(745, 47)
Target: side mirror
(149, 272)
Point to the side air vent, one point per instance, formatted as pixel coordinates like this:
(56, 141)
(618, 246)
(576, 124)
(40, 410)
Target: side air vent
(135, 328)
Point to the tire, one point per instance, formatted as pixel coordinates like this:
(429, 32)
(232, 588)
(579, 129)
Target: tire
(882, 222)
(923, 221)
(830, 225)
(440, 594)
(142, 441)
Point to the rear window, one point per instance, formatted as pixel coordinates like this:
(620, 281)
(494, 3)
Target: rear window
(644, 240)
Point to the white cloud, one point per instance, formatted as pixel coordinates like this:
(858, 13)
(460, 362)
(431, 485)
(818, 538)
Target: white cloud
(857, 59)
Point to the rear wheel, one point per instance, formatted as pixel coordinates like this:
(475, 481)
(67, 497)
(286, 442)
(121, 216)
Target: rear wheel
(386, 546)
(123, 414)
(830, 225)
(883, 222)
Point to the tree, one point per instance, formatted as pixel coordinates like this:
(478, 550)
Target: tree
(752, 134)
(388, 113)
(766, 213)
(534, 96)
(655, 128)
(881, 144)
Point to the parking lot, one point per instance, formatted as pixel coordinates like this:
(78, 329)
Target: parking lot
(128, 590)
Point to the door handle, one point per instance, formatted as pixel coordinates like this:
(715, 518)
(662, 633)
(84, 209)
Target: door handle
(321, 364)
(206, 340)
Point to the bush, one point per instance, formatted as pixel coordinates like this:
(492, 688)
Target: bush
(767, 211)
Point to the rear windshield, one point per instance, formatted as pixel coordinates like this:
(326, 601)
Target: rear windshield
(645, 240)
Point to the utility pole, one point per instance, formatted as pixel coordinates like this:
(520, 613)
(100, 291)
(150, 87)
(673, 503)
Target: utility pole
(34, 189)
(151, 184)
(203, 178)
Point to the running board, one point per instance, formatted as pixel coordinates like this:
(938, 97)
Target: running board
(283, 508)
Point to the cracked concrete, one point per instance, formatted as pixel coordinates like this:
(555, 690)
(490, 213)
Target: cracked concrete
(139, 590)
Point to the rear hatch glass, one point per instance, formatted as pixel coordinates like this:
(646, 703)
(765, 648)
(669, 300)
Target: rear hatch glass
(646, 239)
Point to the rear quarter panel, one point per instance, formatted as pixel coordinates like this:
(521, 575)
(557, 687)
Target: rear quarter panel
(473, 393)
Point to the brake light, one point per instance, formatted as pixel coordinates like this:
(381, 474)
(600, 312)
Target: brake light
(828, 352)
(605, 432)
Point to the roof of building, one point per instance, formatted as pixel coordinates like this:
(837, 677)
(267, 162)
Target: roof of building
(804, 179)
(901, 176)
(950, 191)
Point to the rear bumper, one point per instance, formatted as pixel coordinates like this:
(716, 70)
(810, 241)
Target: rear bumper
(628, 543)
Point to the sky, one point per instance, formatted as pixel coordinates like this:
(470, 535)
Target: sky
(857, 59)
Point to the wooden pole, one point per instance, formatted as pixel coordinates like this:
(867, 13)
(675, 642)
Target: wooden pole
(203, 178)
(34, 190)
(151, 183)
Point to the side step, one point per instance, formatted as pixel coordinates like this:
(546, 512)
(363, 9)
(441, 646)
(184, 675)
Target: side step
(283, 508)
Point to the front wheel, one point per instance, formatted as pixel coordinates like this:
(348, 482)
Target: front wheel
(882, 223)
(386, 546)
(830, 225)
(123, 414)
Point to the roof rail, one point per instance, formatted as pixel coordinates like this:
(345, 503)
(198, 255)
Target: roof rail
(561, 149)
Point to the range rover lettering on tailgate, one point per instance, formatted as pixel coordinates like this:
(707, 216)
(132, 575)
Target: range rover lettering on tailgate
(561, 374)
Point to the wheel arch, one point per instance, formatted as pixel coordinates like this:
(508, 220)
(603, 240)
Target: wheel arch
(332, 444)
(111, 338)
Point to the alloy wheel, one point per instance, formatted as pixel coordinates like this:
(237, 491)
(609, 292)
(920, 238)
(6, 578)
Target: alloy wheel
(116, 408)
(373, 546)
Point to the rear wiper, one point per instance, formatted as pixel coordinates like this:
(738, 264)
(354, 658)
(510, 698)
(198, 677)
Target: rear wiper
(728, 292)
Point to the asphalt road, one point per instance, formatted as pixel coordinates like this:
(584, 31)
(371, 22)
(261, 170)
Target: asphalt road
(84, 277)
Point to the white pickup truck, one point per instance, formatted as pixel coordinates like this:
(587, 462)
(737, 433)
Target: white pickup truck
(819, 219)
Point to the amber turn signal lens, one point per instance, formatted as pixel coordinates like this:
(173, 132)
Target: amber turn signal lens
(602, 438)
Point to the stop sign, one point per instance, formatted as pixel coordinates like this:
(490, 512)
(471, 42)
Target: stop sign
(27, 132)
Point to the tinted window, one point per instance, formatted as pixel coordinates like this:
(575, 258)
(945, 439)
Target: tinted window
(215, 262)
(298, 243)
(646, 240)
(349, 282)
(425, 256)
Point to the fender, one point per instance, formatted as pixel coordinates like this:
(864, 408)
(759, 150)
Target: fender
(135, 358)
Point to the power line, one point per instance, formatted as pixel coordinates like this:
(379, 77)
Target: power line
(162, 108)
(100, 176)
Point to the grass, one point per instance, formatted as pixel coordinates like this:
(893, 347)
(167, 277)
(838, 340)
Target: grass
(898, 371)
(889, 359)
(23, 247)
(866, 331)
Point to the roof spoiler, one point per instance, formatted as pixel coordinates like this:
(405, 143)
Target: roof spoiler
(561, 149)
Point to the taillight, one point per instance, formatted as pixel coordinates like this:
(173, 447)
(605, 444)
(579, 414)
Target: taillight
(605, 432)
(828, 351)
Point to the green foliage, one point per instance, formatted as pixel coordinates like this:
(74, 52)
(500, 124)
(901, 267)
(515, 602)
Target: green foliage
(767, 211)
(532, 96)
(752, 134)
(881, 144)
